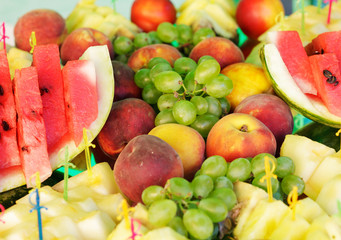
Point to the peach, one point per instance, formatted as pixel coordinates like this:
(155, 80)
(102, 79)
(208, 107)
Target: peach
(187, 142)
(79, 40)
(272, 111)
(239, 135)
(146, 160)
(222, 49)
(140, 58)
(48, 25)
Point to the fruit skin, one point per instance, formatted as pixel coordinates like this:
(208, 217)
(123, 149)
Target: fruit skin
(270, 110)
(135, 115)
(141, 56)
(148, 14)
(222, 49)
(48, 25)
(187, 142)
(254, 17)
(125, 86)
(146, 160)
(248, 79)
(228, 138)
(79, 40)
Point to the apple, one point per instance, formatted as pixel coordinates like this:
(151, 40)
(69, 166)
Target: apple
(222, 49)
(187, 142)
(128, 118)
(79, 40)
(270, 110)
(146, 160)
(239, 135)
(254, 17)
(48, 25)
(148, 14)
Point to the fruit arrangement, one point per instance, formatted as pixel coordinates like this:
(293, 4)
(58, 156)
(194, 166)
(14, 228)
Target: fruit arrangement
(174, 130)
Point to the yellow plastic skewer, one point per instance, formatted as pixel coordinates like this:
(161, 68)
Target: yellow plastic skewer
(292, 201)
(125, 213)
(269, 173)
(33, 41)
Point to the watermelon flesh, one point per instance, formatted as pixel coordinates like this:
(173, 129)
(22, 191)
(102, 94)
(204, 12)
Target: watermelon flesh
(327, 76)
(31, 128)
(8, 129)
(80, 93)
(46, 60)
(294, 56)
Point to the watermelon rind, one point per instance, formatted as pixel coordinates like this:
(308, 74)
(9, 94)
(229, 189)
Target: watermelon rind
(285, 87)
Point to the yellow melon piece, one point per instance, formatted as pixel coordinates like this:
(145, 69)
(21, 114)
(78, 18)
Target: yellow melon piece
(121, 232)
(309, 209)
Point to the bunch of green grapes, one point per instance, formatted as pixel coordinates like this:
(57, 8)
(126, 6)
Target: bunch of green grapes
(190, 93)
(194, 208)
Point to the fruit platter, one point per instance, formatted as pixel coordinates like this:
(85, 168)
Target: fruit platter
(171, 120)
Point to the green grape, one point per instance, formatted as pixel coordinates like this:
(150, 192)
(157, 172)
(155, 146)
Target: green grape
(202, 34)
(285, 166)
(161, 212)
(225, 194)
(215, 208)
(167, 32)
(142, 78)
(219, 86)
(258, 165)
(214, 106)
(223, 182)
(168, 81)
(200, 103)
(191, 85)
(150, 94)
(289, 181)
(202, 185)
(239, 170)
(159, 68)
(198, 224)
(279, 195)
(178, 225)
(142, 39)
(204, 58)
(263, 184)
(184, 112)
(121, 58)
(153, 36)
(204, 123)
(185, 33)
(155, 60)
(206, 70)
(164, 116)
(166, 101)
(123, 45)
(184, 65)
(179, 188)
(152, 194)
(225, 106)
(214, 166)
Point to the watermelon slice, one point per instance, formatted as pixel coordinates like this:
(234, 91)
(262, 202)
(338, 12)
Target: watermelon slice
(31, 127)
(290, 47)
(8, 129)
(46, 60)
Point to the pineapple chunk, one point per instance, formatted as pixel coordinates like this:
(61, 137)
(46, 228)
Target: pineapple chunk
(329, 195)
(18, 59)
(111, 204)
(165, 233)
(16, 214)
(62, 226)
(46, 195)
(123, 233)
(309, 209)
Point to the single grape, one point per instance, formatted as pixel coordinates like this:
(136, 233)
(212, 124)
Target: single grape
(155, 60)
(185, 33)
(202, 34)
(219, 86)
(152, 194)
(142, 39)
(198, 224)
(225, 106)
(258, 165)
(159, 68)
(289, 181)
(179, 188)
(168, 81)
(166, 101)
(285, 166)
(215, 208)
(153, 36)
(263, 184)
(184, 112)
(239, 170)
(178, 225)
(214, 106)
(184, 65)
(206, 70)
(142, 78)
(204, 58)
(200, 103)
(167, 32)
(123, 58)
(191, 85)
(225, 194)
(161, 212)
(223, 182)
(150, 94)
(202, 185)
(164, 116)
(123, 45)
(204, 123)
(214, 166)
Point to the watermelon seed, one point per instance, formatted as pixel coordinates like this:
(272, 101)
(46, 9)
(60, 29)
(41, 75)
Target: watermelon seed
(24, 148)
(1, 91)
(5, 125)
(327, 73)
(43, 90)
(322, 51)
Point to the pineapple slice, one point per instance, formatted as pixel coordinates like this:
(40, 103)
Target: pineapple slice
(309, 209)
(111, 204)
(16, 214)
(121, 232)
(62, 226)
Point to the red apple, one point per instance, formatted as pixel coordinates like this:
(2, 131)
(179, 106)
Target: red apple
(148, 14)
(239, 135)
